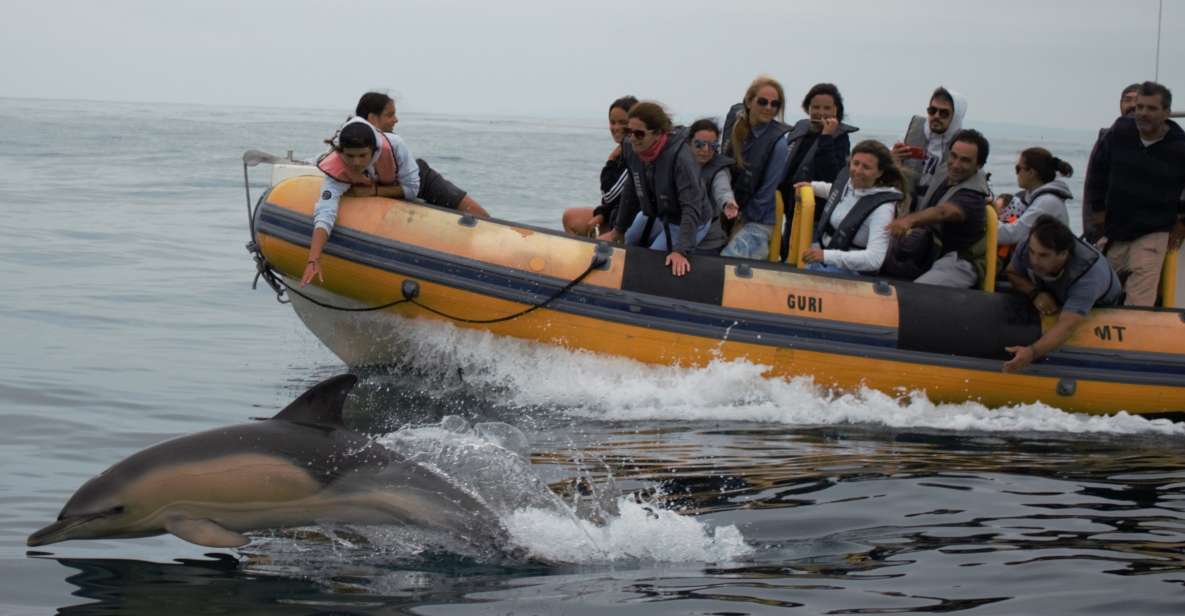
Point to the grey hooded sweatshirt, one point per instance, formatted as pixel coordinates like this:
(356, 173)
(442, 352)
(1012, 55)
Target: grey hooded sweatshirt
(1048, 198)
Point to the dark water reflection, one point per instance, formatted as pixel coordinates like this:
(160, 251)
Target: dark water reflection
(919, 519)
(214, 586)
(843, 519)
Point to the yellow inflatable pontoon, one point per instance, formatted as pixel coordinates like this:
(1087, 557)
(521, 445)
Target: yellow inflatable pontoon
(431, 263)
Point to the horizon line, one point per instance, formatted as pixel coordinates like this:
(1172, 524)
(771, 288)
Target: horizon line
(573, 115)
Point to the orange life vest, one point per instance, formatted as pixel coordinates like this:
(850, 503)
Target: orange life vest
(1004, 251)
(385, 166)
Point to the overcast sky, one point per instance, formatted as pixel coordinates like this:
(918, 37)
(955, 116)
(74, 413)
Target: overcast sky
(1057, 63)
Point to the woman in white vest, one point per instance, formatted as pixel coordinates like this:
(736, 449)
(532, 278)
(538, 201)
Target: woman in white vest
(363, 162)
(852, 236)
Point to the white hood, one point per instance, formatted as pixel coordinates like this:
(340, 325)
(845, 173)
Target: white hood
(936, 145)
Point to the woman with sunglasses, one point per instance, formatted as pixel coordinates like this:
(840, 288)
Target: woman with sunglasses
(1040, 193)
(714, 168)
(759, 146)
(663, 205)
(584, 221)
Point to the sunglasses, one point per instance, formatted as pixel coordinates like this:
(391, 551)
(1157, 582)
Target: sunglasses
(636, 134)
(1020, 168)
(942, 113)
(765, 102)
(700, 143)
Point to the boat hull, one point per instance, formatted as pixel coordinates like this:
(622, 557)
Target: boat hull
(844, 333)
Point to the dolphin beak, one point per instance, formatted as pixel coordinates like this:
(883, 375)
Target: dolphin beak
(58, 531)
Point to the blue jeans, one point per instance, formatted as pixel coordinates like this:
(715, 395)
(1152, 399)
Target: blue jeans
(819, 266)
(751, 242)
(658, 241)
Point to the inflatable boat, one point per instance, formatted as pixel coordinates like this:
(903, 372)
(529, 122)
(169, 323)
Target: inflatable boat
(395, 260)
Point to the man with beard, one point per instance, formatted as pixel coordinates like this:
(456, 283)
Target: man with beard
(955, 206)
(1134, 189)
(923, 151)
(1058, 273)
(1127, 107)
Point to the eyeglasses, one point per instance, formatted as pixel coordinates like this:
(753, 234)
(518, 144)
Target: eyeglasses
(942, 113)
(700, 143)
(765, 102)
(636, 134)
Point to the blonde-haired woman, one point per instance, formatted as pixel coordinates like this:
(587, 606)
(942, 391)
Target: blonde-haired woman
(757, 138)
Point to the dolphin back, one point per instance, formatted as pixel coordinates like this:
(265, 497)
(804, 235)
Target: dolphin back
(321, 404)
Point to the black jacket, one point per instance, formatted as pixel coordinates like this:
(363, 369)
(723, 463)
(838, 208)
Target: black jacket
(1140, 187)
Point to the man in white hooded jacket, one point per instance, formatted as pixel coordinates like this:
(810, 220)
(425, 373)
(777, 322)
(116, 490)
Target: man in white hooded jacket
(926, 144)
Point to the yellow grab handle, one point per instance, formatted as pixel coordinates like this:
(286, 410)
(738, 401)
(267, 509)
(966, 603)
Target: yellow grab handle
(991, 248)
(775, 236)
(1168, 280)
(804, 224)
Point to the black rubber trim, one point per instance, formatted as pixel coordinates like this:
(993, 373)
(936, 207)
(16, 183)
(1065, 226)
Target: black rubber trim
(963, 322)
(646, 272)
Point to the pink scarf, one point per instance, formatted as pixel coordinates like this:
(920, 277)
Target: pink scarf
(651, 153)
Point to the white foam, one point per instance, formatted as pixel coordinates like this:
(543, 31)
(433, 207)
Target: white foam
(478, 459)
(613, 388)
(639, 533)
(482, 460)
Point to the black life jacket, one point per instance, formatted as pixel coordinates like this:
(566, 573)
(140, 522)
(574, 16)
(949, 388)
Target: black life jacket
(746, 180)
(654, 184)
(708, 173)
(730, 121)
(1082, 258)
(965, 236)
(844, 236)
(801, 164)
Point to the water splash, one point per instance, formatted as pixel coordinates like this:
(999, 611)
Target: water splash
(488, 460)
(485, 461)
(640, 532)
(599, 387)
(478, 458)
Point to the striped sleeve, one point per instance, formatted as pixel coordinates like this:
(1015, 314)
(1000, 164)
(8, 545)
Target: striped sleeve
(614, 193)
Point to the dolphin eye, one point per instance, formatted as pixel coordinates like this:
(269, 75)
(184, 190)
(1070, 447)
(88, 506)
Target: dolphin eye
(116, 510)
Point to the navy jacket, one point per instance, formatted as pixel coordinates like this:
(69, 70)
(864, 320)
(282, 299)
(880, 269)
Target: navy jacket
(1140, 187)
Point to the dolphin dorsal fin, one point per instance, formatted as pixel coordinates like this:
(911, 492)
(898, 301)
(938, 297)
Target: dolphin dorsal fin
(321, 404)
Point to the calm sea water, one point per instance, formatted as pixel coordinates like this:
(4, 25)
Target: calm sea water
(127, 317)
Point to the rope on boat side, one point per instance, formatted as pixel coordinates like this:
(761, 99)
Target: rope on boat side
(410, 290)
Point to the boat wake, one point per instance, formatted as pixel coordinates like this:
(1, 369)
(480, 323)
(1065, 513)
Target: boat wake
(598, 387)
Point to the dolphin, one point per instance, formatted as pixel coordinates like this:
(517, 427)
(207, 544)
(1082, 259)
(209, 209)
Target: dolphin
(299, 468)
